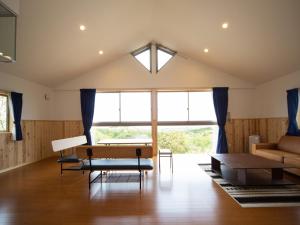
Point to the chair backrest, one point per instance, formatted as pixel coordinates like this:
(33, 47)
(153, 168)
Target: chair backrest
(62, 144)
(90, 155)
(290, 144)
(138, 153)
(115, 151)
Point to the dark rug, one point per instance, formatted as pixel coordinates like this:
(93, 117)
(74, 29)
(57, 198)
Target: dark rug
(112, 177)
(258, 196)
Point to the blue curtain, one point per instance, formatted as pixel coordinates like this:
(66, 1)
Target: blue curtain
(17, 103)
(220, 97)
(87, 99)
(292, 103)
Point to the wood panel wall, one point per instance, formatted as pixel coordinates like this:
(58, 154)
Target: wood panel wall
(37, 142)
(39, 134)
(238, 131)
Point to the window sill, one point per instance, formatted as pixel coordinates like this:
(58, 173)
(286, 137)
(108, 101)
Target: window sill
(5, 132)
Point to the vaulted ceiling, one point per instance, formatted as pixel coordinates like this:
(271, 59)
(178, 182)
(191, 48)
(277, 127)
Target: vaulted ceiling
(261, 43)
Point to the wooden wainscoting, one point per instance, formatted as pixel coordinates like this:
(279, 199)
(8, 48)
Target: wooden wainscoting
(238, 131)
(37, 135)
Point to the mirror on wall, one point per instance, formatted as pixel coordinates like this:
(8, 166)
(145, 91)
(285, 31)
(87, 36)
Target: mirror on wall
(8, 23)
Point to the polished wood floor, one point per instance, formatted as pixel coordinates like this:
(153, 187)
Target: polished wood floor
(37, 195)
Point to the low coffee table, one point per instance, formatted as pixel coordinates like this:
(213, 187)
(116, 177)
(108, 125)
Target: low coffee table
(242, 162)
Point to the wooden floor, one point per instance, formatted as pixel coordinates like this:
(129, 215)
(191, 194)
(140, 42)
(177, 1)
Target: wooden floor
(37, 195)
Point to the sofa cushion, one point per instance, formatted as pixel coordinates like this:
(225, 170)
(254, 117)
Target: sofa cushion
(294, 163)
(290, 144)
(68, 159)
(270, 154)
(290, 155)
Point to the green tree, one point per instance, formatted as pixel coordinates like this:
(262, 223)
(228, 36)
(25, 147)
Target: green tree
(174, 140)
(183, 140)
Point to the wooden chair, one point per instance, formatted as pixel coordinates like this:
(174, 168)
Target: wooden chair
(165, 153)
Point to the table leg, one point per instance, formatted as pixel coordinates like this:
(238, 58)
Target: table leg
(242, 176)
(215, 165)
(277, 173)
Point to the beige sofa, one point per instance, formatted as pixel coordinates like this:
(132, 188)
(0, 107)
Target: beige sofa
(287, 151)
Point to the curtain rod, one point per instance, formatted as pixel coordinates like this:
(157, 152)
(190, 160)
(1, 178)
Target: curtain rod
(156, 89)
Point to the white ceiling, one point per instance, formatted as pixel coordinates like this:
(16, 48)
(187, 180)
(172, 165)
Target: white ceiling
(262, 42)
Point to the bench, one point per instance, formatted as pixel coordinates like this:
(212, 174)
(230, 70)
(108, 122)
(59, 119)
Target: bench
(94, 164)
(99, 158)
(64, 144)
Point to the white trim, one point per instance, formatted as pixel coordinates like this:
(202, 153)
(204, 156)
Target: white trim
(154, 89)
(15, 167)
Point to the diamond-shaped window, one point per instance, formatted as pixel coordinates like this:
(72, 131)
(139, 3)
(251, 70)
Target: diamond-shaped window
(143, 55)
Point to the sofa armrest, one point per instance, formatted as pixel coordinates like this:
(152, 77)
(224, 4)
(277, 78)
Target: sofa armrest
(272, 146)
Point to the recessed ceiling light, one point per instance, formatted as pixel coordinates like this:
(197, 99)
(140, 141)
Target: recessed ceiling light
(206, 50)
(1, 53)
(82, 27)
(100, 52)
(225, 25)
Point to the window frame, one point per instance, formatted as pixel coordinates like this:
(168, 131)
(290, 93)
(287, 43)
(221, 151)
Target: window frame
(154, 123)
(154, 107)
(188, 122)
(7, 113)
(126, 123)
(166, 50)
(141, 50)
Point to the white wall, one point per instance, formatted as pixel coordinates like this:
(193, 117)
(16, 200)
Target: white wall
(245, 100)
(67, 105)
(270, 97)
(35, 107)
(240, 103)
(127, 73)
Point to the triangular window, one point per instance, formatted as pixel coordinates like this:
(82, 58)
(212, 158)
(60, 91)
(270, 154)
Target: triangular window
(143, 55)
(163, 55)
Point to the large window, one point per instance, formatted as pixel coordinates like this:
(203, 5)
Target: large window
(4, 122)
(186, 107)
(120, 132)
(122, 107)
(188, 139)
(186, 121)
(107, 107)
(172, 106)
